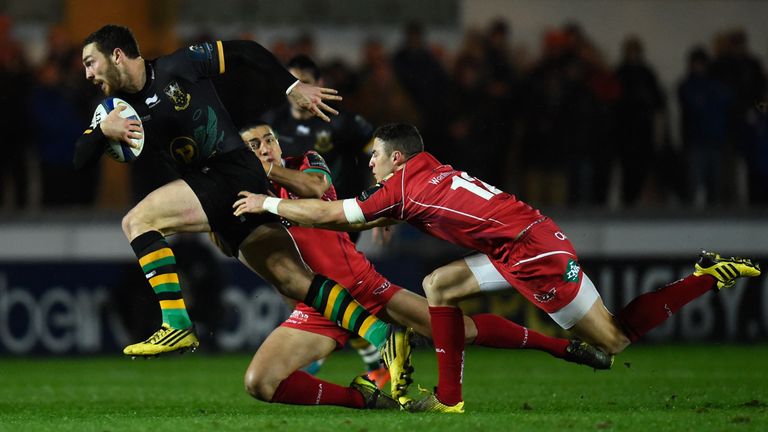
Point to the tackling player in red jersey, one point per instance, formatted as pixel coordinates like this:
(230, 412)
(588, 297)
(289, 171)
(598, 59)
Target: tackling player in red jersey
(517, 247)
(306, 335)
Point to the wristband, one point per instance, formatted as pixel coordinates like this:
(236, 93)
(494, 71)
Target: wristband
(287, 92)
(270, 204)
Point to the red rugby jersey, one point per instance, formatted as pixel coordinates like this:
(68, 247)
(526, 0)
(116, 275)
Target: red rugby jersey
(447, 204)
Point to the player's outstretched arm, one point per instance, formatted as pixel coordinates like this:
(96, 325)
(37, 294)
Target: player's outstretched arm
(307, 96)
(303, 211)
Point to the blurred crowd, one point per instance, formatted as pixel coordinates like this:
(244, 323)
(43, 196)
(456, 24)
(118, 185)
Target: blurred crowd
(561, 128)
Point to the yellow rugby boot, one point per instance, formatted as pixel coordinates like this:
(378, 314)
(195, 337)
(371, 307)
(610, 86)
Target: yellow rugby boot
(165, 340)
(725, 270)
(374, 398)
(432, 404)
(396, 354)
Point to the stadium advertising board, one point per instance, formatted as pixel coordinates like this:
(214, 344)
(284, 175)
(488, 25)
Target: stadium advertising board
(98, 307)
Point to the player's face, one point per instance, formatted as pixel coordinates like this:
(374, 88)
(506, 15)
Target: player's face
(262, 142)
(100, 70)
(382, 163)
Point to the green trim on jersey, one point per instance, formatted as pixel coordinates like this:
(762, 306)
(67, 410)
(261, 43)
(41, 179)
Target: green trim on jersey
(326, 173)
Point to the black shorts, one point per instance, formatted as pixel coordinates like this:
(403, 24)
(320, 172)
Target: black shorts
(217, 184)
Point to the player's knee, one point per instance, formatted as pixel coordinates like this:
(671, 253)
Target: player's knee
(127, 224)
(434, 288)
(133, 224)
(259, 385)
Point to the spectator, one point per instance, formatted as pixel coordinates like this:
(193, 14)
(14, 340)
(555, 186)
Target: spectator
(15, 85)
(58, 124)
(425, 80)
(381, 99)
(640, 111)
(704, 104)
(742, 73)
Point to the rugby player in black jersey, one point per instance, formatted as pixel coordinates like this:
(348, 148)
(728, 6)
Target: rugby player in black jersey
(188, 132)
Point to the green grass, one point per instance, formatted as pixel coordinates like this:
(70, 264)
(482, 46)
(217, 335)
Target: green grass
(652, 388)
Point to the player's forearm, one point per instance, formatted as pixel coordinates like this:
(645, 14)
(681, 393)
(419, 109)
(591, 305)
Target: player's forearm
(312, 211)
(249, 53)
(89, 147)
(300, 183)
(348, 227)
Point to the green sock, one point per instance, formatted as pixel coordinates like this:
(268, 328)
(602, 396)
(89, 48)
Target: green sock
(337, 304)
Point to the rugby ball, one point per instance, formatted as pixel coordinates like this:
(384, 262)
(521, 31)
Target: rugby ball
(118, 150)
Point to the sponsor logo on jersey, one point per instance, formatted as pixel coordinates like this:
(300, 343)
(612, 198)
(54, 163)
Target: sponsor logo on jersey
(200, 52)
(178, 97)
(298, 316)
(302, 130)
(152, 101)
(364, 195)
(571, 271)
(381, 288)
(545, 297)
(323, 142)
(438, 178)
(183, 149)
(316, 161)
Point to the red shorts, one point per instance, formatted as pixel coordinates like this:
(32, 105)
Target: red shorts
(543, 267)
(373, 292)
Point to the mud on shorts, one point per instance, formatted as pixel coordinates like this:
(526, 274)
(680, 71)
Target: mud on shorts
(544, 268)
(217, 183)
(374, 294)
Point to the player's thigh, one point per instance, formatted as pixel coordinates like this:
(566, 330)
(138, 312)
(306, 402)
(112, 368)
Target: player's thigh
(171, 208)
(285, 351)
(599, 328)
(410, 310)
(451, 283)
(271, 252)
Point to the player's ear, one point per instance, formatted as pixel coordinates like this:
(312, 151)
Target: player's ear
(117, 56)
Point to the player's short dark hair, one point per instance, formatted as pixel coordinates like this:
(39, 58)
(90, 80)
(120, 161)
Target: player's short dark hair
(252, 125)
(402, 137)
(113, 36)
(304, 63)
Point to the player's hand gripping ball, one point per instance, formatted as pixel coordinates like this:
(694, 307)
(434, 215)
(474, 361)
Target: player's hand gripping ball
(119, 150)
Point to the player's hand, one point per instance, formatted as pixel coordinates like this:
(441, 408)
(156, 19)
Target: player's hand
(312, 98)
(249, 203)
(117, 128)
(382, 235)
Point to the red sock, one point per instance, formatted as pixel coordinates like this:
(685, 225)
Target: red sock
(497, 332)
(301, 388)
(448, 336)
(649, 310)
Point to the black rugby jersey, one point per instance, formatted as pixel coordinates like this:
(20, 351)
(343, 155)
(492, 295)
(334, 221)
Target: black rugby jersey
(182, 115)
(179, 109)
(342, 143)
